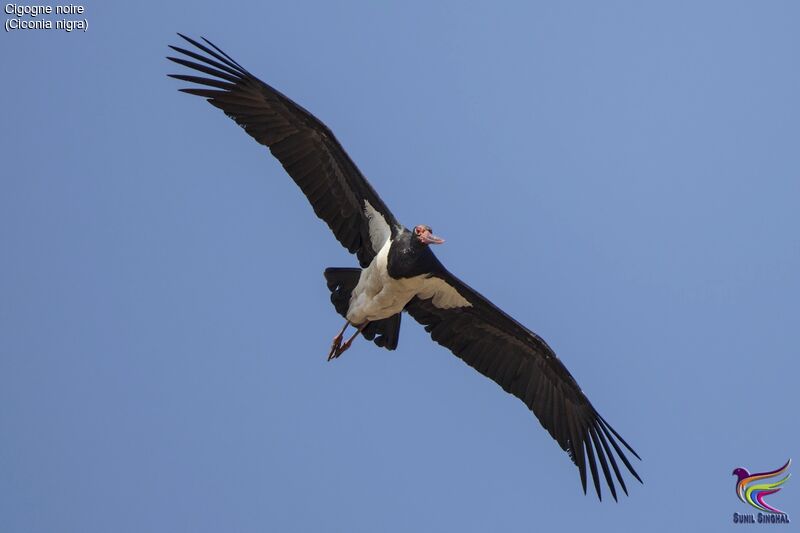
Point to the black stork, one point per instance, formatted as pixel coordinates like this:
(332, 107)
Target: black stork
(399, 271)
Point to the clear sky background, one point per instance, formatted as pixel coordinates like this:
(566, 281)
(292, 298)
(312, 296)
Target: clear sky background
(622, 178)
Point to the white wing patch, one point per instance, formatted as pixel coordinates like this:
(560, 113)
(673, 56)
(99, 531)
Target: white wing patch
(444, 295)
(379, 230)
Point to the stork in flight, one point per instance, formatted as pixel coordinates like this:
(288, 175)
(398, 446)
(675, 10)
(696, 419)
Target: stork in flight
(399, 271)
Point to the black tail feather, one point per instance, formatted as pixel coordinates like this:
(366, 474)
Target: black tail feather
(341, 282)
(385, 333)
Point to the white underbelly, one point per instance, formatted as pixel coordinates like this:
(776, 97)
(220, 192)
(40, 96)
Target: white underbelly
(377, 295)
(381, 300)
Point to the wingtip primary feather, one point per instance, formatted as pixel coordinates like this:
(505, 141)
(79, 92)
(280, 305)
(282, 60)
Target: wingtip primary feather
(619, 451)
(610, 455)
(593, 466)
(221, 56)
(217, 48)
(623, 441)
(603, 462)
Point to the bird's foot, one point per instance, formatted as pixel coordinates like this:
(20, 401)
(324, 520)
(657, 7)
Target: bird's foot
(336, 346)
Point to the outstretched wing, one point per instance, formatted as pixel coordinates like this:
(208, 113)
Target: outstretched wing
(500, 348)
(338, 192)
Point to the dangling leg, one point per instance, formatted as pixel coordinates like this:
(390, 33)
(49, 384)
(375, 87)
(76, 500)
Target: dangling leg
(341, 349)
(337, 342)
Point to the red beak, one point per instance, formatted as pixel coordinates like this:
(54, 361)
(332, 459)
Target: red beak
(430, 238)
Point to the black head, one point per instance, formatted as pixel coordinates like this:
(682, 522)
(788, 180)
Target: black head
(424, 234)
(410, 255)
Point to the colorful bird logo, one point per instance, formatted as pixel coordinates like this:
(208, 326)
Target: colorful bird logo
(754, 493)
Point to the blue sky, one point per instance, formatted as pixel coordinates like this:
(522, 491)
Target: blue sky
(621, 177)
